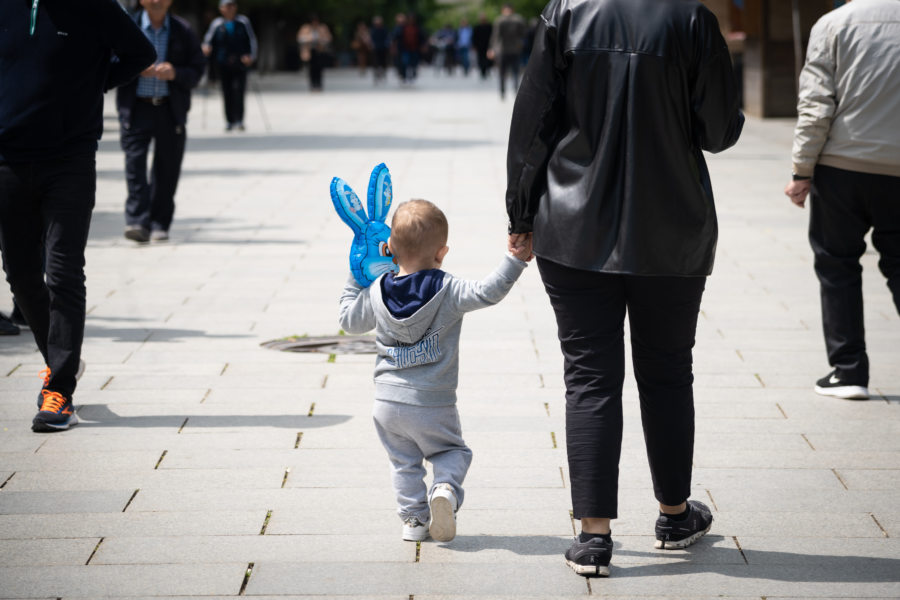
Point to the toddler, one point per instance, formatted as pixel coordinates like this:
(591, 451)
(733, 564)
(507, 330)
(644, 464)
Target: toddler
(417, 317)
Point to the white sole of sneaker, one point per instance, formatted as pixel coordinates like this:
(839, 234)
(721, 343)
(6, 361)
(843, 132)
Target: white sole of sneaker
(589, 570)
(44, 427)
(671, 545)
(443, 522)
(415, 537)
(845, 392)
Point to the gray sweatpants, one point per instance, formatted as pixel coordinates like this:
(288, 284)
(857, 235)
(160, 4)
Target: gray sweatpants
(412, 434)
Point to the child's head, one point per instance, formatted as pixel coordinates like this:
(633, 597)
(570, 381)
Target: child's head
(418, 236)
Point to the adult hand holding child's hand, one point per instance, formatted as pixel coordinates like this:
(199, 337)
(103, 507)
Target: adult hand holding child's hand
(519, 245)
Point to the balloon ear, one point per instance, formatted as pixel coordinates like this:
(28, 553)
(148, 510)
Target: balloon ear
(380, 193)
(347, 205)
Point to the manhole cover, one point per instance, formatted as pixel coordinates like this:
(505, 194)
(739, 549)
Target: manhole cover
(340, 344)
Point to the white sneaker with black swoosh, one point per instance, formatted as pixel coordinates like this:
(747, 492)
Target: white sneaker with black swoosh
(832, 385)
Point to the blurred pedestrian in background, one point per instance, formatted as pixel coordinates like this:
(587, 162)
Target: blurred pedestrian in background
(381, 47)
(231, 45)
(362, 45)
(464, 46)
(507, 40)
(444, 43)
(153, 108)
(315, 49)
(412, 41)
(481, 41)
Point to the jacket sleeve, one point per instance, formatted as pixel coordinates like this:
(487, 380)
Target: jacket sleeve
(211, 31)
(533, 130)
(357, 315)
(816, 102)
(715, 103)
(469, 295)
(188, 75)
(132, 51)
(250, 35)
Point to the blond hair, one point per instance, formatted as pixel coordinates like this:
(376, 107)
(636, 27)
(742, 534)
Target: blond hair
(418, 230)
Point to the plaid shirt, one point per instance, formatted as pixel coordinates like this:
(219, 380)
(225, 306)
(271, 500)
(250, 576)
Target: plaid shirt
(151, 87)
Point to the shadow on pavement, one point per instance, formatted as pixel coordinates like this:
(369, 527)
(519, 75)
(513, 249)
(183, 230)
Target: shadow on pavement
(99, 415)
(312, 143)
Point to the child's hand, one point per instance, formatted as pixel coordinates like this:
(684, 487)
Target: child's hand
(520, 245)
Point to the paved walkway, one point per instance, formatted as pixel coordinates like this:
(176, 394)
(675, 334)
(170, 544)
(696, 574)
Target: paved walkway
(206, 465)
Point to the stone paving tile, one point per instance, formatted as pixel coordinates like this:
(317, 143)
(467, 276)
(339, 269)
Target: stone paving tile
(58, 525)
(39, 554)
(791, 459)
(47, 502)
(97, 478)
(871, 479)
(255, 549)
(107, 581)
(807, 524)
(414, 579)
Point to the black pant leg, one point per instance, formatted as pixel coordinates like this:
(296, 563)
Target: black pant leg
(68, 200)
(837, 226)
(590, 313)
(240, 90)
(884, 206)
(21, 242)
(167, 156)
(662, 315)
(135, 142)
(226, 75)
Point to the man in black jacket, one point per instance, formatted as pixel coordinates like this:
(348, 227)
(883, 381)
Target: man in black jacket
(154, 107)
(56, 60)
(606, 178)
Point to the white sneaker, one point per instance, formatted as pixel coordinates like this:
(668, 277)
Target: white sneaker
(414, 530)
(443, 513)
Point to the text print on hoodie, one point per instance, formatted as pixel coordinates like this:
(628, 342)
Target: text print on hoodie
(417, 324)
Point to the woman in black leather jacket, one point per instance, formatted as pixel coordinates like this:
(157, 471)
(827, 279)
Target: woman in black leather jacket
(606, 178)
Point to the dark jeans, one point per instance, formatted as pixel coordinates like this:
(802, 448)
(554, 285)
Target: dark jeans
(844, 205)
(509, 64)
(151, 204)
(234, 87)
(590, 313)
(45, 208)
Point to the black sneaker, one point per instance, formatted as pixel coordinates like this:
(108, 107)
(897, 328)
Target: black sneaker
(833, 385)
(7, 327)
(56, 414)
(672, 534)
(590, 558)
(138, 234)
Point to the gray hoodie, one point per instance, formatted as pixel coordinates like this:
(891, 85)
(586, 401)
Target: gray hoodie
(418, 357)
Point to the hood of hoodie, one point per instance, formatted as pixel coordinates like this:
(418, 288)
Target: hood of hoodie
(411, 329)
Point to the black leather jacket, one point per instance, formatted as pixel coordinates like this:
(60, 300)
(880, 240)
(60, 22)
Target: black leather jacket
(605, 162)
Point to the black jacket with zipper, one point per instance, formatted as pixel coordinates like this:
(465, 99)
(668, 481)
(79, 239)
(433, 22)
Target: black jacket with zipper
(605, 161)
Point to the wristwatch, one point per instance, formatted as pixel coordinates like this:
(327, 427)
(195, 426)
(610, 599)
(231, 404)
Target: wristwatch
(795, 177)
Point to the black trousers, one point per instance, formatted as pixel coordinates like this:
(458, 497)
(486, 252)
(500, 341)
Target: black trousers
(509, 66)
(590, 312)
(234, 87)
(844, 205)
(45, 211)
(151, 203)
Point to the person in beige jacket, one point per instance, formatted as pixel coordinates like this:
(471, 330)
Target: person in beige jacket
(846, 156)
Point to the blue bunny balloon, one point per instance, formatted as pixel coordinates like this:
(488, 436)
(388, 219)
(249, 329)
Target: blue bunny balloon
(369, 254)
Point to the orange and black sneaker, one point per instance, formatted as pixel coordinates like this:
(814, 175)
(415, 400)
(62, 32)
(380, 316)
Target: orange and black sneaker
(56, 413)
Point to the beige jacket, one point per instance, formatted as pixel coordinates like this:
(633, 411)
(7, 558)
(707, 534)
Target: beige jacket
(849, 101)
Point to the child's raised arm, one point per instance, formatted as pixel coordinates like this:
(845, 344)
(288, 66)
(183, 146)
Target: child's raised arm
(357, 315)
